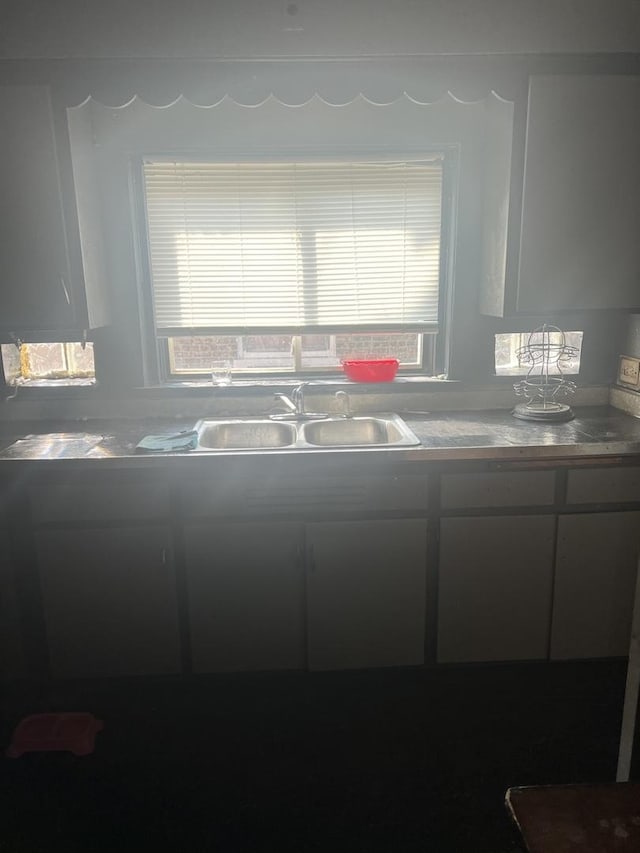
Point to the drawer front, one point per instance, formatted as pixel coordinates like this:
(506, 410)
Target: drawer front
(303, 496)
(509, 488)
(604, 485)
(100, 502)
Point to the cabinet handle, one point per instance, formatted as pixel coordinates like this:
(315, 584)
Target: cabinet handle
(163, 557)
(311, 560)
(64, 289)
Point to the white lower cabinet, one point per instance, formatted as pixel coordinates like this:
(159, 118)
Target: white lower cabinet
(109, 599)
(246, 595)
(366, 593)
(495, 588)
(594, 584)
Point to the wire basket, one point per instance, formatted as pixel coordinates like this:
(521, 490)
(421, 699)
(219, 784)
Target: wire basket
(545, 354)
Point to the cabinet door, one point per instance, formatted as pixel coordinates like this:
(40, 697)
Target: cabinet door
(246, 596)
(594, 584)
(109, 598)
(35, 291)
(495, 588)
(366, 593)
(12, 653)
(581, 218)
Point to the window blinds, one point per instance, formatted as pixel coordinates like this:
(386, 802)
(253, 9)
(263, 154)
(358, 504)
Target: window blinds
(298, 246)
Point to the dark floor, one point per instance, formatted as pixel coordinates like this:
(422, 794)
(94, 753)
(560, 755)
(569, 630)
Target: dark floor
(396, 761)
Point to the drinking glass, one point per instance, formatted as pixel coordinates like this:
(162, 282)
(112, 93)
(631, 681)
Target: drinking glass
(221, 372)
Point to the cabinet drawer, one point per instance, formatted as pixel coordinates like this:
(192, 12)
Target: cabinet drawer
(517, 488)
(100, 502)
(303, 496)
(604, 485)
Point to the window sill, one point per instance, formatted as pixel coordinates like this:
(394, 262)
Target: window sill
(240, 386)
(46, 388)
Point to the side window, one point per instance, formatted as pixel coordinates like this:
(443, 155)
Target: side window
(55, 363)
(510, 345)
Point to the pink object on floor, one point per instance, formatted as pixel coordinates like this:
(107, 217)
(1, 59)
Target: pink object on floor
(73, 732)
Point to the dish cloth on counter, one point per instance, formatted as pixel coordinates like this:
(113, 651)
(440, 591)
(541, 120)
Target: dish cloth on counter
(185, 440)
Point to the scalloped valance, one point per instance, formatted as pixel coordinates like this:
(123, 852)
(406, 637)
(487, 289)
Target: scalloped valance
(137, 101)
(292, 84)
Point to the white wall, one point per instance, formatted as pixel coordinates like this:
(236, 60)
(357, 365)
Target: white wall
(266, 28)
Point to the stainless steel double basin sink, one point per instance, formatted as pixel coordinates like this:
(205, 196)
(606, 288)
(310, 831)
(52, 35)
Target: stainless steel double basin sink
(387, 430)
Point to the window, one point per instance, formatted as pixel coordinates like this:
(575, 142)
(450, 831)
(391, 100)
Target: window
(290, 267)
(510, 363)
(286, 353)
(58, 363)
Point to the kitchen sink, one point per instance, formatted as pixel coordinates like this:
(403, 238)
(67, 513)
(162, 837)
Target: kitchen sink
(357, 432)
(334, 432)
(244, 435)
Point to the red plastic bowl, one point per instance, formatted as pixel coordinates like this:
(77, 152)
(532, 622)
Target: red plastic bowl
(371, 370)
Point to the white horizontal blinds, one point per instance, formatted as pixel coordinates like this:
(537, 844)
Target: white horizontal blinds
(294, 245)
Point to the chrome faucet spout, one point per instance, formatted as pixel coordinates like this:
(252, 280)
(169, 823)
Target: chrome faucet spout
(295, 404)
(295, 401)
(297, 395)
(289, 403)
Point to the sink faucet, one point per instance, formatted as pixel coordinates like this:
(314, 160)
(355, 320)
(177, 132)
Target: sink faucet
(295, 402)
(295, 406)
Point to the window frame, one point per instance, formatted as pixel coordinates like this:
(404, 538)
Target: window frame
(433, 347)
